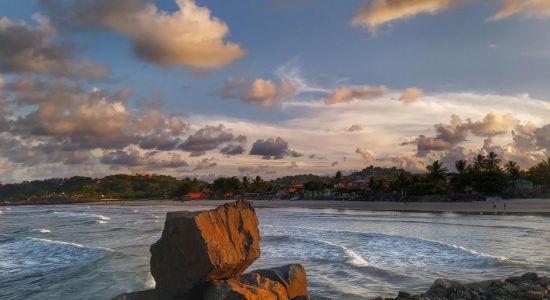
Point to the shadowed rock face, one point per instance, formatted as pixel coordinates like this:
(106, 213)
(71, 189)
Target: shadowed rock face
(198, 247)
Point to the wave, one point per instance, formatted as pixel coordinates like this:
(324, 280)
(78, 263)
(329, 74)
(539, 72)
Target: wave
(26, 256)
(395, 250)
(355, 259)
(42, 230)
(101, 219)
(350, 256)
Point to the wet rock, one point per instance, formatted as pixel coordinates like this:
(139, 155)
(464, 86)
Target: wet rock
(529, 286)
(293, 277)
(248, 287)
(198, 247)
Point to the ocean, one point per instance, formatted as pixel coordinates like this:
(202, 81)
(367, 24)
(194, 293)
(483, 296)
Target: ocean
(98, 252)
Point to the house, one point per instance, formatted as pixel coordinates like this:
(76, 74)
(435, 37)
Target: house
(195, 196)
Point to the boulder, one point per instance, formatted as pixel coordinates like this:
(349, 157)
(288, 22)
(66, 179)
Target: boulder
(198, 247)
(293, 277)
(248, 287)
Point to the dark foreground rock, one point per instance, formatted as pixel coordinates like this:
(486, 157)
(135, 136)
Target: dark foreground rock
(202, 256)
(529, 286)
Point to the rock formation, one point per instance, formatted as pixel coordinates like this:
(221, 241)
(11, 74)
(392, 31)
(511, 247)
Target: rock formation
(203, 255)
(529, 286)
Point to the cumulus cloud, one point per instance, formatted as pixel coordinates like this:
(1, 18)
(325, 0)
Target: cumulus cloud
(492, 124)
(261, 91)
(346, 94)
(209, 138)
(190, 36)
(88, 119)
(25, 49)
(412, 164)
(411, 94)
(62, 122)
(272, 148)
(449, 135)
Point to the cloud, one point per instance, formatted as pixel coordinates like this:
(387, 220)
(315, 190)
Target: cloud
(408, 163)
(346, 94)
(264, 92)
(209, 138)
(492, 124)
(88, 119)
(379, 12)
(205, 163)
(449, 135)
(253, 169)
(411, 94)
(232, 149)
(355, 127)
(25, 49)
(132, 157)
(530, 8)
(365, 154)
(189, 37)
(293, 165)
(272, 148)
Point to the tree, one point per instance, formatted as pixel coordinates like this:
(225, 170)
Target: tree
(402, 181)
(461, 166)
(338, 176)
(437, 174)
(492, 162)
(540, 173)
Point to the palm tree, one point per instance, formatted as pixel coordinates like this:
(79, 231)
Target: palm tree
(479, 162)
(513, 171)
(492, 162)
(437, 173)
(461, 166)
(402, 180)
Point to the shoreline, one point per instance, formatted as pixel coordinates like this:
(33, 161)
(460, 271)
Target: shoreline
(513, 207)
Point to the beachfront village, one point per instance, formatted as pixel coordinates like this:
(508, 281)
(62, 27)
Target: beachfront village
(483, 176)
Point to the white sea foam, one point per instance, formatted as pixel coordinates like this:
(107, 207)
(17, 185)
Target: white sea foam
(150, 282)
(42, 230)
(82, 215)
(354, 258)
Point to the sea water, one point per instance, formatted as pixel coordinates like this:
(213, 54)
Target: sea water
(97, 252)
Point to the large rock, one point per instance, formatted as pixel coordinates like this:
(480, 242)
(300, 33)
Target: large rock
(293, 277)
(248, 287)
(198, 247)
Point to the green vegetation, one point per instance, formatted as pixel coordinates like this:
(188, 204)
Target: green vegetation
(486, 175)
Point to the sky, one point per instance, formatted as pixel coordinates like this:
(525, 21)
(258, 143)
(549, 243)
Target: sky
(269, 87)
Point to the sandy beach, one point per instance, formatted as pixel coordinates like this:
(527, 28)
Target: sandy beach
(515, 206)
